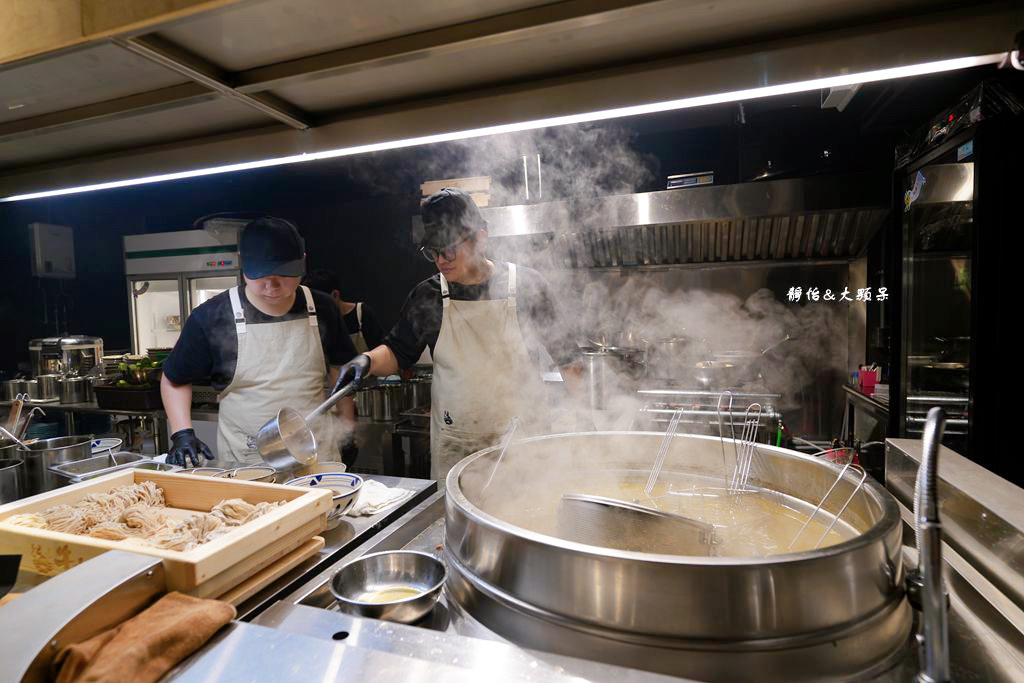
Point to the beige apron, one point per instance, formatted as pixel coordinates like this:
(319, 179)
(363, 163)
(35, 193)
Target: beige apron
(358, 340)
(280, 364)
(483, 377)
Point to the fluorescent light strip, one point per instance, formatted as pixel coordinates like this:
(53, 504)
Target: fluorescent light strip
(635, 110)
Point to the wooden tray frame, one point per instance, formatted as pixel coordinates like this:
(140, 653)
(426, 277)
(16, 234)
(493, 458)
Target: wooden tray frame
(207, 570)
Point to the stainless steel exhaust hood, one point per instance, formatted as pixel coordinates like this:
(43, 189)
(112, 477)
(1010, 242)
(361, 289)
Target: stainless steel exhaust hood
(815, 218)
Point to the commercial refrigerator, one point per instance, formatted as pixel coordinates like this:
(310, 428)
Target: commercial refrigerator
(960, 261)
(169, 274)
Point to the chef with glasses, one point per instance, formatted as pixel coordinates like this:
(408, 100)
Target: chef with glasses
(490, 327)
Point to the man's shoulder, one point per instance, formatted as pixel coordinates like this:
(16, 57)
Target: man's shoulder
(427, 287)
(214, 310)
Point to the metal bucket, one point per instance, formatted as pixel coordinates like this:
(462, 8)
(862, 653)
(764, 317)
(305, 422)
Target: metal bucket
(40, 456)
(386, 402)
(11, 388)
(835, 613)
(48, 385)
(75, 390)
(419, 392)
(364, 402)
(11, 475)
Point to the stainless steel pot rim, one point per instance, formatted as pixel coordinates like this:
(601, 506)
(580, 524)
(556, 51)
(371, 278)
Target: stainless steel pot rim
(457, 498)
(363, 558)
(41, 445)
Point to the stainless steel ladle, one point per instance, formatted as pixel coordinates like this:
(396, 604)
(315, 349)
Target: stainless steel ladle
(286, 441)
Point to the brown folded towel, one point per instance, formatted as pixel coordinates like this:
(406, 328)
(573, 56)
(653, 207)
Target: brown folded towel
(146, 646)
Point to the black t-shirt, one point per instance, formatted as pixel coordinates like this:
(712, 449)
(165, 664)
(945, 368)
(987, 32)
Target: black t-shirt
(207, 349)
(372, 332)
(541, 322)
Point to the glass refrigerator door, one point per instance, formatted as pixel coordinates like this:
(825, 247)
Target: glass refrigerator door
(156, 313)
(202, 289)
(938, 224)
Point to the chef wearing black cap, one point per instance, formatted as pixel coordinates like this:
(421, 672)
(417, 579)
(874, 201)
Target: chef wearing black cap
(265, 345)
(485, 323)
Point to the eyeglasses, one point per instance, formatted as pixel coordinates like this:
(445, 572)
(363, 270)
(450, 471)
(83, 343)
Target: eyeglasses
(448, 253)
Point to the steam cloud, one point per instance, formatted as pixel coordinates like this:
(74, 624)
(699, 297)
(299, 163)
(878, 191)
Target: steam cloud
(716, 309)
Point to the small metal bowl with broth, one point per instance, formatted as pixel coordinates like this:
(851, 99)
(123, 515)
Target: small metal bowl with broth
(345, 487)
(400, 586)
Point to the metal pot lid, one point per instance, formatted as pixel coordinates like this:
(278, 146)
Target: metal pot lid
(64, 342)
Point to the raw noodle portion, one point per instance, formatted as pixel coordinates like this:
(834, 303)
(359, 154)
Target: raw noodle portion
(133, 512)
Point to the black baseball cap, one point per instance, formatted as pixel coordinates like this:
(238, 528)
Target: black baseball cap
(272, 246)
(449, 215)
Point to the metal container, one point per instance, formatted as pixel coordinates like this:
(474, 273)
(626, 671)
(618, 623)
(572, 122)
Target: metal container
(11, 475)
(364, 402)
(670, 359)
(386, 402)
(748, 364)
(74, 355)
(601, 376)
(13, 387)
(75, 390)
(412, 580)
(30, 387)
(42, 455)
(419, 392)
(96, 466)
(48, 385)
(833, 613)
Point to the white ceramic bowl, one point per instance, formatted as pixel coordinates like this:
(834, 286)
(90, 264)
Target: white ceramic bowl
(111, 444)
(344, 485)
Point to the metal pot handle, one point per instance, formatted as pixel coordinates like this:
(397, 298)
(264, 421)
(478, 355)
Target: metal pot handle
(331, 400)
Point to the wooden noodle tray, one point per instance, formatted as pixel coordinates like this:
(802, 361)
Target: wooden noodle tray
(208, 570)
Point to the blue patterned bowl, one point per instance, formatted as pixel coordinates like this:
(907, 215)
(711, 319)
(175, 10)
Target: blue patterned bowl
(344, 485)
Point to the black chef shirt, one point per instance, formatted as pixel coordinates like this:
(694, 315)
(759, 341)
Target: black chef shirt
(207, 349)
(371, 330)
(540, 320)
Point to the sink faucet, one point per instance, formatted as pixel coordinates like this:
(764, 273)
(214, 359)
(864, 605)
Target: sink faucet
(934, 639)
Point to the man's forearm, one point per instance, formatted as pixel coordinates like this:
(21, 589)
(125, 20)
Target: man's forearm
(177, 399)
(383, 361)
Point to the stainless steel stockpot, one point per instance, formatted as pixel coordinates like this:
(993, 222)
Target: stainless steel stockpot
(41, 455)
(836, 612)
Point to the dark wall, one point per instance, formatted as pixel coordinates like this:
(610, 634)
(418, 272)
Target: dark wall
(365, 237)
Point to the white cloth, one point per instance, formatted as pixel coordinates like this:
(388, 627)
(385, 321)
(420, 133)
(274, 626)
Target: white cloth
(279, 364)
(375, 497)
(483, 377)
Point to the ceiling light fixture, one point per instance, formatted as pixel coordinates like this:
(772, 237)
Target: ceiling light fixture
(619, 112)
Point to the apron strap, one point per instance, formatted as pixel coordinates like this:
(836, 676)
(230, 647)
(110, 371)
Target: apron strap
(310, 306)
(512, 284)
(359, 315)
(445, 296)
(237, 310)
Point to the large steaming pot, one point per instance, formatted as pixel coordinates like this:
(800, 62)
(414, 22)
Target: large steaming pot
(836, 612)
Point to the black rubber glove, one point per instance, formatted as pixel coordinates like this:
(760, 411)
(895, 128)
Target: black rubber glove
(185, 444)
(349, 451)
(352, 372)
